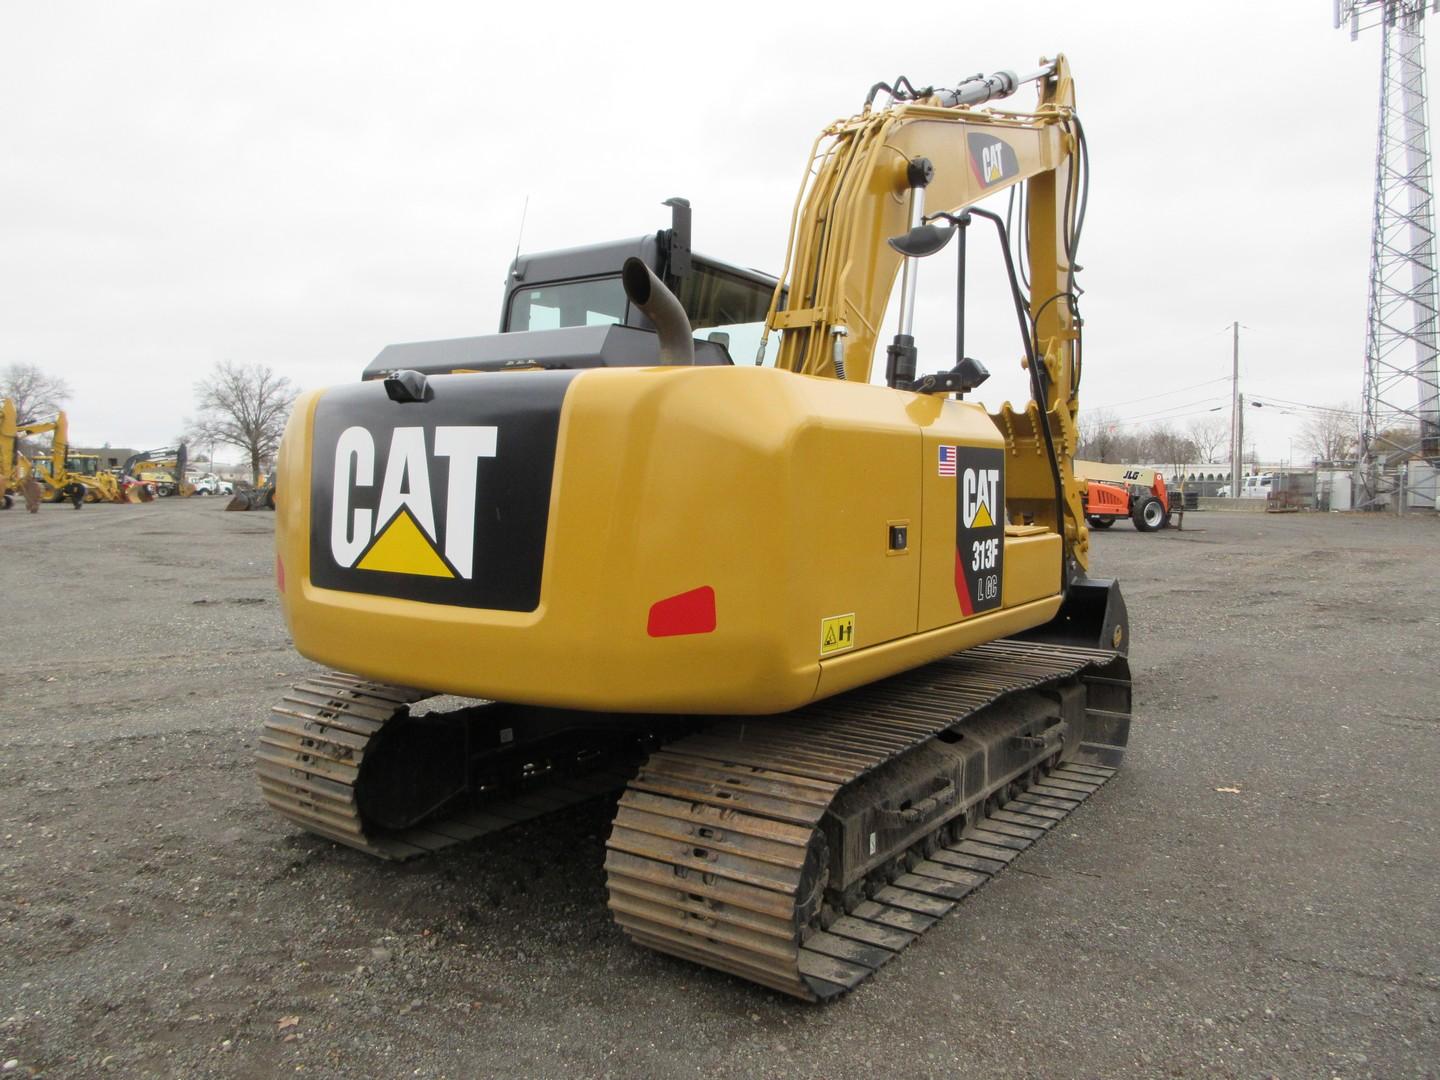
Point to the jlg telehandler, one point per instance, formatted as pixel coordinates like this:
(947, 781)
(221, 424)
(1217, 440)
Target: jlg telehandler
(844, 628)
(1111, 492)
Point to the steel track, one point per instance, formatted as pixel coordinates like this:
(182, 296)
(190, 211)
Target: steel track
(713, 854)
(313, 747)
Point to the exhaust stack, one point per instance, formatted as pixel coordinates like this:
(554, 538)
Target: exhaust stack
(661, 307)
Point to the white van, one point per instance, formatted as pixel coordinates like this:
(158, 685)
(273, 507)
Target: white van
(1255, 486)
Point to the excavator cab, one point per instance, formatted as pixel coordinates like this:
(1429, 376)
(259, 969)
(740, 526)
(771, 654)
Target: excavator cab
(568, 309)
(582, 286)
(557, 294)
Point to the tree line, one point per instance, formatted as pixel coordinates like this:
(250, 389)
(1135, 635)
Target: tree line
(1103, 437)
(1329, 434)
(244, 406)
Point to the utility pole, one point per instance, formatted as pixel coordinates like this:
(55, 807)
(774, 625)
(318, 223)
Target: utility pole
(1240, 426)
(1236, 423)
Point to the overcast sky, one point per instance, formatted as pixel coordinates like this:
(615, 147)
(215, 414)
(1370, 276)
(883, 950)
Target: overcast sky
(301, 184)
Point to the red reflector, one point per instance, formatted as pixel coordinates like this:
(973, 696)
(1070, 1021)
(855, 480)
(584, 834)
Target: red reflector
(962, 587)
(690, 612)
(279, 574)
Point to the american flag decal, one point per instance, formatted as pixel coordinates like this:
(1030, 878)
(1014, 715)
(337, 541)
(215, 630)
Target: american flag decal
(947, 461)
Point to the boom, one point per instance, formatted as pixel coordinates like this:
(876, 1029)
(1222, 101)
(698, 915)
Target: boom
(872, 178)
(11, 433)
(8, 440)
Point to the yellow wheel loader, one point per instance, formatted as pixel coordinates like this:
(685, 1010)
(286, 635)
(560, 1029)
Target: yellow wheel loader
(834, 639)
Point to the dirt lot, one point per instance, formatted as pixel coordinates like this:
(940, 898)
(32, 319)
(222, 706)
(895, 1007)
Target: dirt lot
(155, 919)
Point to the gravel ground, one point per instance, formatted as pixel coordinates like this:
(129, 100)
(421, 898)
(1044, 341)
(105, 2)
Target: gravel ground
(155, 919)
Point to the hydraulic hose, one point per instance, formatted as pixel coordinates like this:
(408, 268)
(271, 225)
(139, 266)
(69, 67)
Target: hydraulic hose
(1037, 384)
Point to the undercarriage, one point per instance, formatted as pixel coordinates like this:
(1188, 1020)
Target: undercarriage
(801, 851)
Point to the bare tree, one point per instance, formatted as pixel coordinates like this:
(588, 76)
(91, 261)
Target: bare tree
(1099, 436)
(245, 406)
(37, 396)
(1396, 444)
(1330, 434)
(1207, 434)
(1168, 446)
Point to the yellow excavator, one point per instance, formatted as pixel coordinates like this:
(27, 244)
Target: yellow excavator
(835, 639)
(163, 469)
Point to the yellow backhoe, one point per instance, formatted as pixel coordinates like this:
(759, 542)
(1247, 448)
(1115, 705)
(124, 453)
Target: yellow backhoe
(835, 639)
(62, 474)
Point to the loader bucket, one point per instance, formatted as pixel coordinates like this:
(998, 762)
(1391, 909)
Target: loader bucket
(1093, 616)
(253, 499)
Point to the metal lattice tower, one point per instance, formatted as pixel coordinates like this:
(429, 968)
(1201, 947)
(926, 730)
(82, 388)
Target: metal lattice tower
(1401, 412)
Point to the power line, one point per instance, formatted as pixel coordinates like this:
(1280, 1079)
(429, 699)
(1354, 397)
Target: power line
(1307, 405)
(1158, 414)
(1167, 393)
(1161, 417)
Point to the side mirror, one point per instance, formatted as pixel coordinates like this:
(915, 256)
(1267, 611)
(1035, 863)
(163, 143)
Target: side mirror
(922, 240)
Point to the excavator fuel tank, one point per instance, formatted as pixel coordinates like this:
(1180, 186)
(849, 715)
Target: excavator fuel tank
(664, 540)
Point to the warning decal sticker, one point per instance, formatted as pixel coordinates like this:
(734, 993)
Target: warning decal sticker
(837, 633)
(979, 528)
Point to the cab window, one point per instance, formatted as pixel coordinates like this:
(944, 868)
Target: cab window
(595, 302)
(730, 310)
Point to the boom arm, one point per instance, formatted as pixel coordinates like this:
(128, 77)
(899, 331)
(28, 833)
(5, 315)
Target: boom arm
(10, 434)
(8, 438)
(164, 457)
(869, 182)
(59, 446)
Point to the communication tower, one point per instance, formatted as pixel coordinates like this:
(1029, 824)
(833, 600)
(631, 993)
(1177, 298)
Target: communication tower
(1400, 422)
